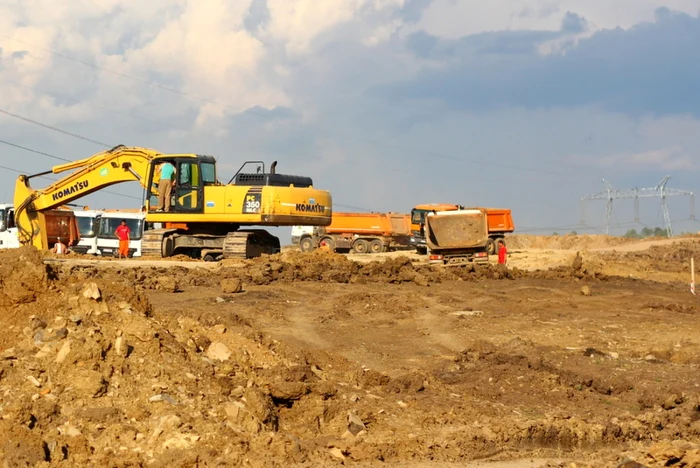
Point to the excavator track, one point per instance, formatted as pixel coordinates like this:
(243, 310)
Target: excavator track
(152, 242)
(250, 244)
(236, 244)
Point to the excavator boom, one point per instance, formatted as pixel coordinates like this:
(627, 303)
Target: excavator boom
(120, 164)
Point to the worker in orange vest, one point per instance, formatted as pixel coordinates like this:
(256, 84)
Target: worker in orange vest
(502, 253)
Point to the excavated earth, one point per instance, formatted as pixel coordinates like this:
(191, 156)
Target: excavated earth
(317, 360)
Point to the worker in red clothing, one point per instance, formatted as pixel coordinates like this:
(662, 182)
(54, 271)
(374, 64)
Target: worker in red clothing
(502, 252)
(123, 233)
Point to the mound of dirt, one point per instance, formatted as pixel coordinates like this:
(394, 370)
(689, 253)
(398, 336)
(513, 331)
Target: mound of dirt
(23, 276)
(89, 376)
(92, 377)
(320, 267)
(565, 242)
(92, 374)
(673, 258)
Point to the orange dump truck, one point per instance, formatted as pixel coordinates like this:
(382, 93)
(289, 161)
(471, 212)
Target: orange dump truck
(357, 232)
(500, 223)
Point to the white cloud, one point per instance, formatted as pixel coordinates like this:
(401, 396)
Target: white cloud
(668, 159)
(298, 22)
(454, 19)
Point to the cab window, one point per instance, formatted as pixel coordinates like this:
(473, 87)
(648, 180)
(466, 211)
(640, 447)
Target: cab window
(208, 173)
(418, 216)
(188, 175)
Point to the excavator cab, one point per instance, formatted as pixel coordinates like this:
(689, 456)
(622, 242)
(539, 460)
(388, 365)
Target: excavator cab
(191, 176)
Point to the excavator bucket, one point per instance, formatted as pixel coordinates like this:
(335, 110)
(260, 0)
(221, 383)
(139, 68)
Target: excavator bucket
(456, 229)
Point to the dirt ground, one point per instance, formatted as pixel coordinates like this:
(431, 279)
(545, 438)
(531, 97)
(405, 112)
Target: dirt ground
(583, 352)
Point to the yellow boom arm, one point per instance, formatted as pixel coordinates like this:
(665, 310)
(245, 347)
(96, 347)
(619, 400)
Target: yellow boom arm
(119, 164)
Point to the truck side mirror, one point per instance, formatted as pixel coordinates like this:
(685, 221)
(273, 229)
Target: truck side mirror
(3, 228)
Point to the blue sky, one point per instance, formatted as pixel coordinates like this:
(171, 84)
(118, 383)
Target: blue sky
(387, 103)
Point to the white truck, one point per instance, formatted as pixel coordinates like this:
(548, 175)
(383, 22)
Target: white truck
(107, 242)
(88, 224)
(8, 229)
(301, 231)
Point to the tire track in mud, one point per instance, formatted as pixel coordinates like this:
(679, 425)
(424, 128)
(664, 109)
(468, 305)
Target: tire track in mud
(302, 329)
(434, 318)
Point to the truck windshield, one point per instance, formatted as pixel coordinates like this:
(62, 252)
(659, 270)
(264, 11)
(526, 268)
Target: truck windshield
(418, 216)
(86, 226)
(208, 173)
(3, 221)
(109, 225)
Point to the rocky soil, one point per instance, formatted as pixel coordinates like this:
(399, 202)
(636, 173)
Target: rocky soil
(317, 360)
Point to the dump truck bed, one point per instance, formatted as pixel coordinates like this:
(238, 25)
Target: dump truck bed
(457, 229)
(377, 224)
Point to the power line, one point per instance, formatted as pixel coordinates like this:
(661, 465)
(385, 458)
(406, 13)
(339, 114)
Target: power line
(108, 191)
(584, 227)
(65, 132)
(34, 151)
(50, 127)
(252, 112)
(165, 125)
(52, 178)
(85, 138)
(189, 130)
(160, 123)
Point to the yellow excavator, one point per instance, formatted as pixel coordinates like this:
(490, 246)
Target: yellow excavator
(207, 219)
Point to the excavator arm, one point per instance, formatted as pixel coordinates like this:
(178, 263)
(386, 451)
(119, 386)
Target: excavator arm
(119, 164)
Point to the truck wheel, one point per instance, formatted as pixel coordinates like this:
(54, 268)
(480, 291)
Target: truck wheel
(490, 247)
(306, 244)
(360, 246)
(376, 246)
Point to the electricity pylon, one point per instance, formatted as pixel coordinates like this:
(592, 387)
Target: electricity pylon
(611, 193)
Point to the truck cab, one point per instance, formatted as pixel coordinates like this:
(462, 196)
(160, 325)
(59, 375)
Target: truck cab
(301, 232)
(107, 242)
(88, 224)
(8, 229)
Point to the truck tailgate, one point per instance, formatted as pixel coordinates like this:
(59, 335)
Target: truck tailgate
(456, 229)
